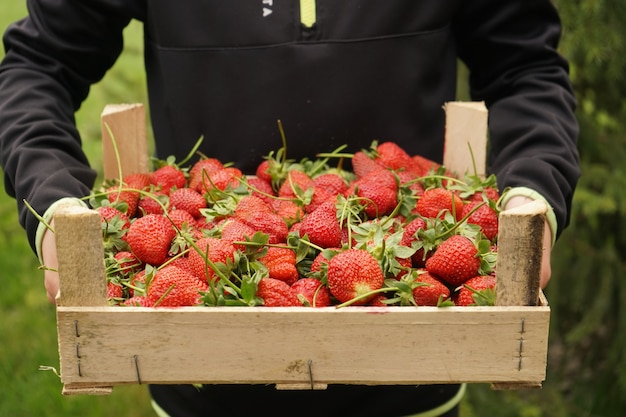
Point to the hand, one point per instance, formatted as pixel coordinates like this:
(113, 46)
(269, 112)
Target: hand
(546, 270)
(49, 255)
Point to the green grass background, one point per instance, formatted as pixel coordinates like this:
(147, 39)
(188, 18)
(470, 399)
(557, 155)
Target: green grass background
(27, 320)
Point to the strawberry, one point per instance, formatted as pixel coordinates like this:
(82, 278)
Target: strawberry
(312, 292)
(322, 226)
(236, 230)
(410, 238)
(270, 223)
(332, 182)
(172, 286)
(434, 201)
(124, 198)
(114, 291)
(189, 200)
(391, 156)
(363, 164)
(455, 260)
(201, 170)
(430, 290)
(277, 293)
(262, 189)
(295, 185)
(152, 203)
(484, 216)
(167, 177)
(222, 179)
(150, 237)
(289, 210)
(478, 290)
(127, 263)
(115, 225)
(352, 274)
(423, 165)
(378, 199)
(139, 181)
(250, 204)
(218, 252)
(281, 264)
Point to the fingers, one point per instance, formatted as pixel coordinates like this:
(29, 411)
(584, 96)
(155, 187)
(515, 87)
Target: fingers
(49, 256)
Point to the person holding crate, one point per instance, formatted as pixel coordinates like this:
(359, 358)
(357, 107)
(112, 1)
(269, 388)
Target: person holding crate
(335, 72)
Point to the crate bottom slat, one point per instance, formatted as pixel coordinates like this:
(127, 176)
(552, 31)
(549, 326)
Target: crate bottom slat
(108, 346)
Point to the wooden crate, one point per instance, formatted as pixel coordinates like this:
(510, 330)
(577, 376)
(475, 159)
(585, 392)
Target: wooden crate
(298, 347)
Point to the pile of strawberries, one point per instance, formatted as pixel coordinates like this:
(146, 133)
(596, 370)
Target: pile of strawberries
(395, 230)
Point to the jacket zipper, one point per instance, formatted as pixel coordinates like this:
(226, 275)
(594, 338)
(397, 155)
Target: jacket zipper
(307, 13)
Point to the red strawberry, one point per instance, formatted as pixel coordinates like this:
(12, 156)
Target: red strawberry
(136, 301)
(114, 291)
(424, 164)
(201, 170)
(262, 189)
(314, 293)
(455, 260)
(431, 292)
(172, 286)
(168, 177)
(392, 156)
(331, 182)
(150, 237)
(484, 216)
(269, 223)
(289, 210)
(127, 262)
(478, 290)
(152, 203)
(251, 204)
(295, 185)
(263, 171)
(181, 218)
(409, 238)
(223, 179)
(281, 264)
(138, 181)
(217, 251)
(235, 230)
(322, 226)
(378, 200)
(122, 195)
(277, 293)
(434, 200)
(354, 273)
(362, 164)
(189, 200)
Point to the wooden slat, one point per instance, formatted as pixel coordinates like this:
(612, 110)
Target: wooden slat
(124, 128)
(355, 345)
(466, 135)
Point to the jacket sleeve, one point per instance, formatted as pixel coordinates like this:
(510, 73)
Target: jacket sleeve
(510, 49)
(52, 58)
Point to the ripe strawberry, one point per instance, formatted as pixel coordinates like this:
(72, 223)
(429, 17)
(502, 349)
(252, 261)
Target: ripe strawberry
(332, 182)
(201, 170)
(123, 198)
(312, 292)
(269, 223)
(431, 290)
(139, 181)
(250, 204)
(115, 291)
(484, 216)
(262, 189)
(235, 230)
(281, 264)
(424, 165)
(277, 293)
(167, 177)
(392, 156)
(295, 185)
(152, 204)
(455, 260)
(223, 179)
(263, 171)
(378, 200)
(189, 200)
(289, 210)
(136, 301)
(322, 226)
(217, 251)
(354, 273)
(435, 200)
(182, 219)
(363, 164)
(478, 290)
(150, 237)
(127, 263)
(172, 286)
(410, 239)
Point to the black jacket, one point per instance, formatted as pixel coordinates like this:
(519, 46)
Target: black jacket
(364, 70)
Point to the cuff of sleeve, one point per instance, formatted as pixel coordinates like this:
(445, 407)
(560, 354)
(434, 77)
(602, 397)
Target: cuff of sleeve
(534, 195)
(47, 218)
